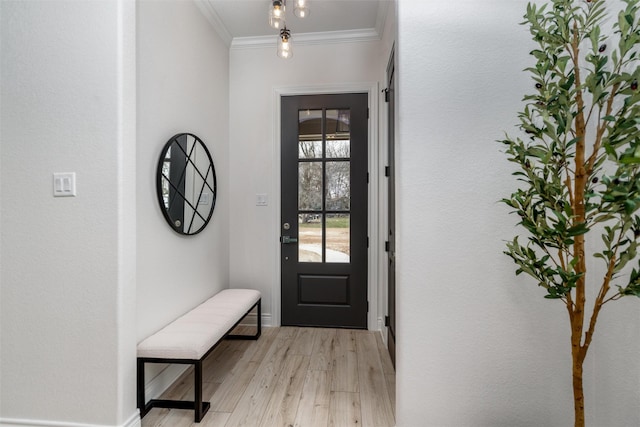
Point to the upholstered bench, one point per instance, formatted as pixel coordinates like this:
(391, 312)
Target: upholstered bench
(191, 338)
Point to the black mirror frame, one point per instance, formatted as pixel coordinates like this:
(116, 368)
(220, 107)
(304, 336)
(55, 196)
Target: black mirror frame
(159, 177)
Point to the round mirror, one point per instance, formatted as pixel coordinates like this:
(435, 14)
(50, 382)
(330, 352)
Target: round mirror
(186, 184)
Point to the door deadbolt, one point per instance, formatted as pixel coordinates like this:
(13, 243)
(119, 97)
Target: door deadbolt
(286, 226)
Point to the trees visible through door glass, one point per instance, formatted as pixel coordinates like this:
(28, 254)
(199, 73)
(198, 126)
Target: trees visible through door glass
(338, 183)
(310, 149)
(324, 185)
(338, 148)
(310, 186)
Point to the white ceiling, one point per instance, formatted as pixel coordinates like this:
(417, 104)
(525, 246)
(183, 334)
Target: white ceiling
(244, 21)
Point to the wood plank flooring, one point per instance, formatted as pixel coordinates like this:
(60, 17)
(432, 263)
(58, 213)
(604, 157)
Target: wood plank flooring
(291, 377)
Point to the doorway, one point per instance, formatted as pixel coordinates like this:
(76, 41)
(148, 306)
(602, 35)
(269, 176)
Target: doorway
(391, 232)
(324, 203)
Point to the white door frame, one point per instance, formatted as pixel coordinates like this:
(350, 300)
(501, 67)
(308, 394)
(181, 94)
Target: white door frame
(373, 319)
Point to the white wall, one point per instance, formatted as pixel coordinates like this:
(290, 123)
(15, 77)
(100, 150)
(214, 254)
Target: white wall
(67, 266)
(183, 86)
(255, 73)
(476, 345)
(183, 79)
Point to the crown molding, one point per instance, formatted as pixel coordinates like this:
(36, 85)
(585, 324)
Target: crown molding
(381, 19)
(214, 19)
(327, 37)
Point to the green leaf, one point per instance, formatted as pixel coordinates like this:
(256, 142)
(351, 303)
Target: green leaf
(629, 206)
(578, 229)
(629, 19)
(629, 160)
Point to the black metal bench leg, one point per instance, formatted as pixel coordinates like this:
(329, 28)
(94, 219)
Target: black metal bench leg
(257, 305)
(200, 408)
(198, 391)
(259, 323)
(140, 388)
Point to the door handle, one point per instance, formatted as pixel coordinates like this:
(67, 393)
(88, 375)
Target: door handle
(288, 239)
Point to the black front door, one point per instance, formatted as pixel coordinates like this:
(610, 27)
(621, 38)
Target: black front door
(324, 210)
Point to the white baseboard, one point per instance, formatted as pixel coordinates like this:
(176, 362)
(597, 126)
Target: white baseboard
(383, 330)
(267, 320)
(250, 320)
(133, 421)
(163, 380)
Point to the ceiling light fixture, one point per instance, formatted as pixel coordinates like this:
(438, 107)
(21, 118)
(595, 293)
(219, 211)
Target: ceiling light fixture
(277, 21)
(284, 44)
(301, 8)
(276, 13)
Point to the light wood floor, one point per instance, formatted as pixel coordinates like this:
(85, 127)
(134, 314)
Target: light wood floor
(302, 377)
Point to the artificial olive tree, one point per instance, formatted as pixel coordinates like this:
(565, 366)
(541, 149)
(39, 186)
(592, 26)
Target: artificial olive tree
(578, 161)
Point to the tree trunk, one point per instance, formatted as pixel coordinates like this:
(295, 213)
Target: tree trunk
(576, 310)
(578, 393)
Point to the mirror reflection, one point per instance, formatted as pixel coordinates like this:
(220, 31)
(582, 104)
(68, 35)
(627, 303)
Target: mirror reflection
(186, 184)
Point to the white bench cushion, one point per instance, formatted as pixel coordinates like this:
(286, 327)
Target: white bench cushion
(192, 335)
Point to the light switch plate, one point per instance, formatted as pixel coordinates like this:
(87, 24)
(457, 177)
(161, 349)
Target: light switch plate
(64, 184)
